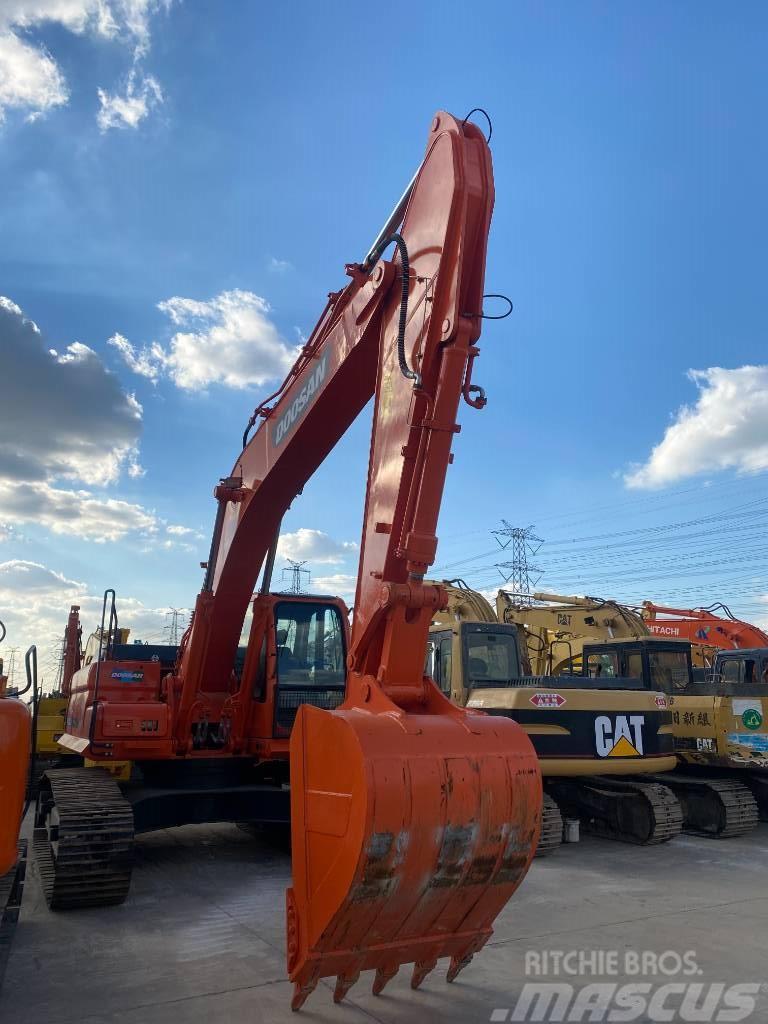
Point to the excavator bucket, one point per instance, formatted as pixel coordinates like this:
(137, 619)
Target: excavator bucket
(410, 833)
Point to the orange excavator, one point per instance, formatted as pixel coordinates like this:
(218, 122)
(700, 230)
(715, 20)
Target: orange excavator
(16, 733)
(413, 821)
(702, 626)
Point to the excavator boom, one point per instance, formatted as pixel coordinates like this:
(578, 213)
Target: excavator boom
(703, 626)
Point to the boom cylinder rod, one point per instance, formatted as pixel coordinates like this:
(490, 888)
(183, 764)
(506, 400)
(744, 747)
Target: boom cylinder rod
(269, 564)
(394, 221)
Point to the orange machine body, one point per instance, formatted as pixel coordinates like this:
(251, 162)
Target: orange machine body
(703, 626)
(15, 735)
(123, 709)
(413, 820)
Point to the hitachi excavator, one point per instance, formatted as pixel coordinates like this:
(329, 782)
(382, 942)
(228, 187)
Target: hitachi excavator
(714, 722)
(413, 821)
(557, 626)
(617, 729)
(16, 733)
(706, 631)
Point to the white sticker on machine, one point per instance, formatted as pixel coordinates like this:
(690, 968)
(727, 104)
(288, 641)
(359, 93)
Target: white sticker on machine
(740, 706)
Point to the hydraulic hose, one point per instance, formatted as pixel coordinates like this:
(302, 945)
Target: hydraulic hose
(402, 249)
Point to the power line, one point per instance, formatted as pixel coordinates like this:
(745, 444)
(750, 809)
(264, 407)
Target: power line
(297, 571)
(518, 571)
(174, 629)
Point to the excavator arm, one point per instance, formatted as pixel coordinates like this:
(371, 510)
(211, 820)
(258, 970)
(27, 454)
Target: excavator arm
(413, 821)
(703, 626)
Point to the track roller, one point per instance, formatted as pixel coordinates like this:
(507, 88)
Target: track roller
(644, 813)
(551, 827)
(83, 839)
(716, 808)
(11, 887)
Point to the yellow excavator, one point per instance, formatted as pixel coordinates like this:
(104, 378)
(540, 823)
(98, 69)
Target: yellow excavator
(557, 626)
(603, 639)
(596, 741)
(720, 737)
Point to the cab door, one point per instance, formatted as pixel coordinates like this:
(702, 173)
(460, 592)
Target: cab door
(440, 659)
(744, 707)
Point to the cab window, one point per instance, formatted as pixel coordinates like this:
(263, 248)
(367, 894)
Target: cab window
(635, 665)
(439, 659)
(669, 670)
(601, 666)
(732, 671)
(445, 658)
(491, 657)
(309, 640)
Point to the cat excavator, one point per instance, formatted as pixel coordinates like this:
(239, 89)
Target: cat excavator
(722, 770)
(617, 729)
(16, 732)
(556, 626)
(593, 638)
(412, 820)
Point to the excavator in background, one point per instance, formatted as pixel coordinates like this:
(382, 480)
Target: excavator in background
(617, 729)
(16, 754)
(413, 820)
(706, 631)
(51, 710)
(557, 626)
(717, 725)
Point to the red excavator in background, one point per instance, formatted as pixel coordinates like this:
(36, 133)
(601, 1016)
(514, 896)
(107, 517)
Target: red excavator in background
(16, 732)
(702, 626)
(413, 821)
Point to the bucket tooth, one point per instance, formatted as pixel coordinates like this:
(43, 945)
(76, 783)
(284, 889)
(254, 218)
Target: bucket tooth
(301, 993)
(420, 970)
(458, 963)
(383, 976)
(344, 983)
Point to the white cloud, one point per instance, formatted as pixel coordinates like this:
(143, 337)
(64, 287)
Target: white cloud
(32, 82)
(148, 362)
(314, 546)
(62, 416)
(35, 602)
(726, 428)
(228, 340)
(337, 585)
(73, 513)
(279, 266)
(130, 109)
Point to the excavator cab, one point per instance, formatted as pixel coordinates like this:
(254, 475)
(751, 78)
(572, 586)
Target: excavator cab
(661, 665)
(484, 655)
(295, 654)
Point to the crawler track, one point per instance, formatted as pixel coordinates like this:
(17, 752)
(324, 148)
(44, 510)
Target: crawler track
(758, 783)
(11, 888)
(717, 808)
(83, 839)
(551, 827)
(643, 813)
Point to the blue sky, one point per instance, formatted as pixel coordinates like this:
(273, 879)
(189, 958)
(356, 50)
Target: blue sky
(216, 153)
